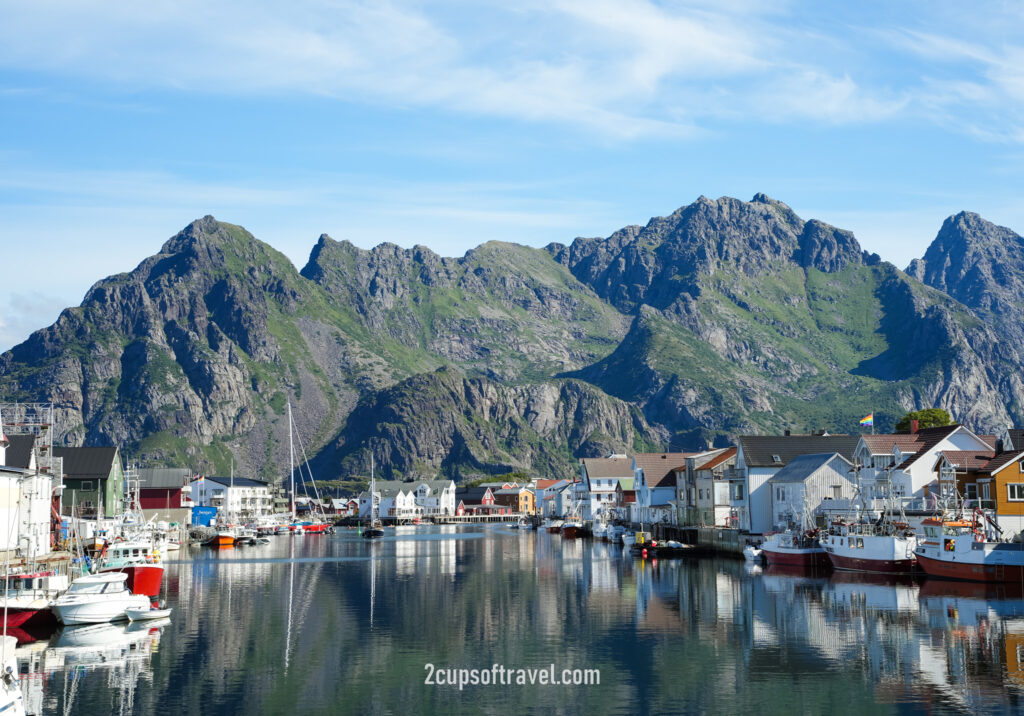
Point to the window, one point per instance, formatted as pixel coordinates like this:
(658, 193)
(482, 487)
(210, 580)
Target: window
(87, 484)
(837, 492)
(780, 494)
(737, 491)
(1015, 492)
(777, 459)
(971, 491)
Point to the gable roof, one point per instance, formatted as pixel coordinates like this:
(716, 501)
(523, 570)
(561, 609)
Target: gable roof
(545, 484)
(930, 437)
(1002, 460)
(883, 444)
(803, 466)
(968, 459)
(87, 463)
(602, 467)
(660, 467)
(759, 450)
(162, 477)
(717, 460)
(1016, 436)
(19, 451)
(472, 495)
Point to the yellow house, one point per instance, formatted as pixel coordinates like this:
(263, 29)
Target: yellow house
(522, 499)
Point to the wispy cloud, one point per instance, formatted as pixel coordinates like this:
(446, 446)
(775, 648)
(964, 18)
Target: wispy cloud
(622, 68)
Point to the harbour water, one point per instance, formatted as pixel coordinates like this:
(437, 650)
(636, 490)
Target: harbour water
(336, 624)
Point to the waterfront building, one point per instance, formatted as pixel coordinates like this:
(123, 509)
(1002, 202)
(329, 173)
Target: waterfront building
(237, 497)
(800, 488)
(520, 499)
(165, 494)
(403, 501)
(601, 476)
(914, 475)
(93, 481)
(760, 457)
(702, 489)
(654, 478)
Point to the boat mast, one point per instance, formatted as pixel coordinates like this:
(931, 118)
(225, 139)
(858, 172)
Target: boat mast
(291, 458)
(373, 497)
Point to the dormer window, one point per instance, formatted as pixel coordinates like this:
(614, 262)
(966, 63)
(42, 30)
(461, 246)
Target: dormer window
(777, 459)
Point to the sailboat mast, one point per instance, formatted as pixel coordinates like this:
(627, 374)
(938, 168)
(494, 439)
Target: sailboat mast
(291, 458)
(373, 497)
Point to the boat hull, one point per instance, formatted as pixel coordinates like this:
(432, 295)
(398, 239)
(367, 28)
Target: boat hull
(373, 534)
(222, 540)
(97, 612)
(878, 566)
(971, 571)
(570, 531)
(796, 557)
(142, 578)
(35, 616)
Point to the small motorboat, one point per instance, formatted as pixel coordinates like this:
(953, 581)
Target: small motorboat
(752, 554)
(138, 614)
(95, 598)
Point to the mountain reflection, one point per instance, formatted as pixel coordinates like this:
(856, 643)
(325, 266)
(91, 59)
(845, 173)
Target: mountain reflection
(320, 624)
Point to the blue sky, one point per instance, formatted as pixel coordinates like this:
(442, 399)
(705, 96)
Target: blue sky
(452, 123)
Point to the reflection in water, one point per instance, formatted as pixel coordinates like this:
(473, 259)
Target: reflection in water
(315, 624)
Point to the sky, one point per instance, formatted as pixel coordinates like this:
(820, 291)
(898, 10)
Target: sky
(452, 123)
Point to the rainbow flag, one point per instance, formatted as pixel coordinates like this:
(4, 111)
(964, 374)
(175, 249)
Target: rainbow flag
(869, 420)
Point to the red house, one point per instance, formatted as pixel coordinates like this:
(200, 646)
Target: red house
(164, 490)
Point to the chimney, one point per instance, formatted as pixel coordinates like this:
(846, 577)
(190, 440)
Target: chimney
(786, 432)
(913, 426)
(999, 445)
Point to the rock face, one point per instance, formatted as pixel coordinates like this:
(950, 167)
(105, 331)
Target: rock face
(723, 318)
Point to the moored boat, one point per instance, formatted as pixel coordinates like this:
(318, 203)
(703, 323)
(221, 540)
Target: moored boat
(139, 561)
(959, 549)
(555, 526)
(861, 547)
(97, 598)
(138, 614)
(570, 530)
(794, 549)
(26, 599)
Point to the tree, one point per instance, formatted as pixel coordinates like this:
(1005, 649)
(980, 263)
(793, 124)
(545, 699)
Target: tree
(928, 418)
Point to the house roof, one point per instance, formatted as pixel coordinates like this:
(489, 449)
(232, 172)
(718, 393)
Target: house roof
(930, 437)
(1002, 460)
(601, 467)
(19, 450)
(545, 484)
(760, 450)
(163, 477)
(883, 444)
(803, 466)
(236, 481)
(390, 488)
(87, 463)
(498, 484)
(718, 459)
(1016, 436)
(659, 467)
(471, 495)
(969, 459)
(627, 483)
(436, 486)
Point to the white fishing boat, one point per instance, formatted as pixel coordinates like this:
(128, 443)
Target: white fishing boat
(600, 529)
(614, 533)
(97, 598)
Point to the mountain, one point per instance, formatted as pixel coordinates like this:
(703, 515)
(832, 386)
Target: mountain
(723, 318)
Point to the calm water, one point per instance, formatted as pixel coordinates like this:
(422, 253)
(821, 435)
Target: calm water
(332, 624)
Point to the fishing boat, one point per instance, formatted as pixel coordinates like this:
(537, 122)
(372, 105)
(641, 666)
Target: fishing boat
(600, 529)
(865, 547)
(961, 549)
(12, 702)
(614, 533)
(137, 559)
(555, 526)
(97, 598)
(26, 597)
(795, 548)
(223, 537)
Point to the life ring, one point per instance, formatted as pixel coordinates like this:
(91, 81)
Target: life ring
(979, 536)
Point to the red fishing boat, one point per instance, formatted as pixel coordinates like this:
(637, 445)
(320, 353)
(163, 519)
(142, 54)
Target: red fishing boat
(795, 549)
(139, 560)
(960, 549)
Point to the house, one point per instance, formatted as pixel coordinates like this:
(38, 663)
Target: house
(601, 476)
(165, 493)
(1005, 486)
(558, 499)
(520, 499)
(799, 489)
(344, 507)
(702, 489)
(93, 481)
(760, 457)
(236, 497)
(876, 454)
(654, 476)
(395, 501)
(915, 475)
(436, 497)
(25, 511)
(478, 501)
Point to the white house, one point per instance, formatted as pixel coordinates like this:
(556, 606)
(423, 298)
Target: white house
(601, 476)
(799, 490)
(402, 501)
(702, 492)
(914, 475)
(234, 497)
(760, 457)
(654, 479)
(26, 495)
